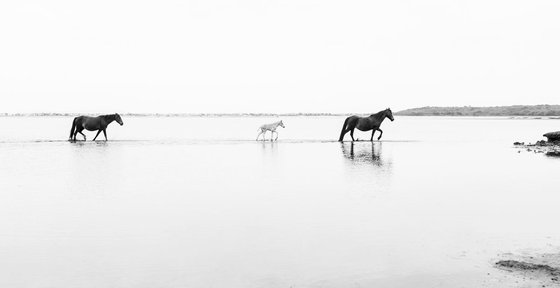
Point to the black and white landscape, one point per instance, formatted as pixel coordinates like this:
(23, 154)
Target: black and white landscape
(461, 190)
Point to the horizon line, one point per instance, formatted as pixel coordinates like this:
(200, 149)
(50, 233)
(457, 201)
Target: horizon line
(194, 114)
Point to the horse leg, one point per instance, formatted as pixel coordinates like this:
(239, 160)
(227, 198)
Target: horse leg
(381, 131)
(98, 131)
(258, 136)
(79, 130)
(350, 125)
(346, 131)
(105, 134)
(276, 136)
(372, 132)
(76, 133)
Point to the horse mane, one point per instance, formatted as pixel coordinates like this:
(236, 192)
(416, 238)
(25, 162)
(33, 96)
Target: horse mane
(379, 114)
(108, 116)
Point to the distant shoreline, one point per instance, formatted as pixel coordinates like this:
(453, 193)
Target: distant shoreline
(512, 111)
(465, 111)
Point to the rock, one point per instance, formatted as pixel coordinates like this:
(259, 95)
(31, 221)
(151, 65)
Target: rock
(553, 153)
(550, 148)
(552, 136)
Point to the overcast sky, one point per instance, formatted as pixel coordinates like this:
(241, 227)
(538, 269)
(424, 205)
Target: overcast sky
(276, 56)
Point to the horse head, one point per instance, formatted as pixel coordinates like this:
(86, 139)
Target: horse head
(281, 124)
(118, 119)
(389, 114)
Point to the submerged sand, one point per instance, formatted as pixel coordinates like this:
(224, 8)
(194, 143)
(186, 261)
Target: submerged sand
(540, 269)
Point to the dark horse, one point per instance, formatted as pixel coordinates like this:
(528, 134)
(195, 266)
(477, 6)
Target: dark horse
(365, 124)
(98, 123)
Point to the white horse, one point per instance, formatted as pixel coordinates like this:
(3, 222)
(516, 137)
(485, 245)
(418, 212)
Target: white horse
(270, 127)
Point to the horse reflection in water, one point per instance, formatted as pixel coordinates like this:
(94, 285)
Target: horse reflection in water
(364, 153)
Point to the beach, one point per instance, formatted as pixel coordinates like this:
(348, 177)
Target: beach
(197, 202)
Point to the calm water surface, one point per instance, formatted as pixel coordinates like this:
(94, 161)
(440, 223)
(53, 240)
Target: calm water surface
(196, 202)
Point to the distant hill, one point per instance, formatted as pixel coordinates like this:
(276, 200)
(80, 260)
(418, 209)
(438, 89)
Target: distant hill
(515, 110)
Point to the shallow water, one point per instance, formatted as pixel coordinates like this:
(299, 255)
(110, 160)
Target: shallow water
(196, 202)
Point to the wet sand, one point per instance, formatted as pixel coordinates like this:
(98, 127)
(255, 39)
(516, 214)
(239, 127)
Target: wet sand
(532, 267)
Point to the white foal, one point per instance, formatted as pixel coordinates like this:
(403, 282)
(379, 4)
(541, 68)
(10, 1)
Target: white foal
(270, 127)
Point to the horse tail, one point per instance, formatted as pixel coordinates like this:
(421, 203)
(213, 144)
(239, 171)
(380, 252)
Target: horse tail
(73, 128)
(342, 131)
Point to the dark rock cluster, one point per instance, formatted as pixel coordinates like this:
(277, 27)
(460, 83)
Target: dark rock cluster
(553, 136)
(550, 147)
